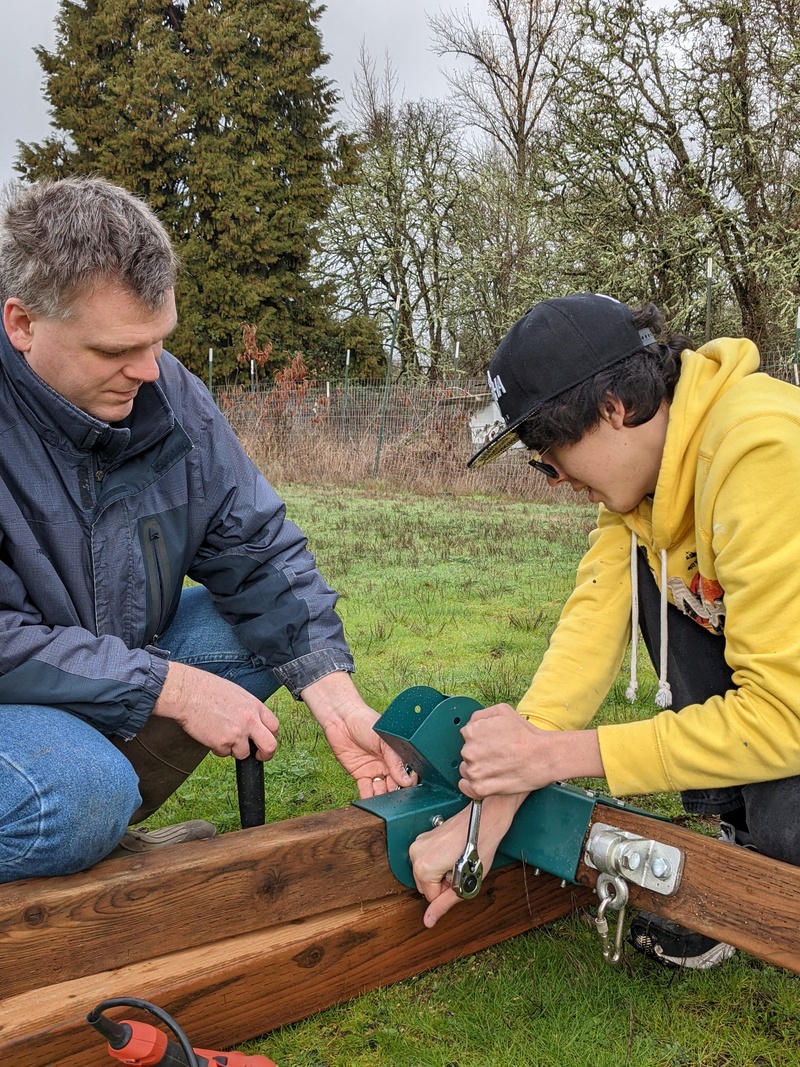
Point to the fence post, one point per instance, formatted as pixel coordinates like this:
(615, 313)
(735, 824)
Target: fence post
(455, 365)
(386, 387)
(346, 372)
(709, 280)
(797, 349)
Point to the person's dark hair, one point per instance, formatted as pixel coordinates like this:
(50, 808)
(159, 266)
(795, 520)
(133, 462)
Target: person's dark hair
(59, 239)
(641, 382)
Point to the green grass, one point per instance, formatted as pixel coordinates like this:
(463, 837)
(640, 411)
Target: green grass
(462, 594)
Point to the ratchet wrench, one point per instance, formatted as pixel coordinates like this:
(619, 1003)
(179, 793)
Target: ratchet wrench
(467, 873)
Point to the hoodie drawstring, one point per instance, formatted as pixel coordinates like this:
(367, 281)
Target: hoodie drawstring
(664, 692)
(633, 684)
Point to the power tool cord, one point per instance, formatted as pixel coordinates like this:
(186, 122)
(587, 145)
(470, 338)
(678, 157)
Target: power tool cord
(153, 1009)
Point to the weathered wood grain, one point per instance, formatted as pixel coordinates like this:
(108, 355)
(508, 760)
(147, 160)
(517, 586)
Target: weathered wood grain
(234, 989)
(134, 908)
(259, 928)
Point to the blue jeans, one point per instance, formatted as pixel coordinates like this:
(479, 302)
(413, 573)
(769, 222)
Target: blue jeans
(67, 793)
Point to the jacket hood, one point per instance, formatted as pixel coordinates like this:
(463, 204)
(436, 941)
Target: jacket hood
(706, 375)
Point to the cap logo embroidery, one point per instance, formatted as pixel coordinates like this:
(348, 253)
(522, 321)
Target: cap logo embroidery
(496, 387)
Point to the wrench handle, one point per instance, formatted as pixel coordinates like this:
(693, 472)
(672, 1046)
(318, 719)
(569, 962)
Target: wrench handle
(467, 876)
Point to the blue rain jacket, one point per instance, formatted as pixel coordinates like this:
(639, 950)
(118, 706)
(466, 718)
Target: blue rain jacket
(99, 524)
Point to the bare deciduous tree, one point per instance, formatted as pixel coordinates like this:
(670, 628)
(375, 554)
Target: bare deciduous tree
(505, 94)
(677, 132)
(389, 233)
(506, 89)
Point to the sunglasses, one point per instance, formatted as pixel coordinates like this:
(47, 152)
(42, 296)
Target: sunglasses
(538, 464)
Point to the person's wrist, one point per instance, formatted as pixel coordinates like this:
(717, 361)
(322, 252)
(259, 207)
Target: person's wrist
(331, 697)
(171, 697)
(574, 754)
(497, 816)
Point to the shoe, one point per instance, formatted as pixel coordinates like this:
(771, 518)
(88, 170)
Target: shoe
(144, 840)
(674, 946)
(735, 835)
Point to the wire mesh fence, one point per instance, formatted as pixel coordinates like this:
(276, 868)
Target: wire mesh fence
(414, 434)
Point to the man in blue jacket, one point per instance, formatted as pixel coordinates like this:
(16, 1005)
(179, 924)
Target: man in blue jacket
(118, 478)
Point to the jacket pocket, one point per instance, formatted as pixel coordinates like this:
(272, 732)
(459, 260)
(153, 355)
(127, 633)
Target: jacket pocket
(157, 576)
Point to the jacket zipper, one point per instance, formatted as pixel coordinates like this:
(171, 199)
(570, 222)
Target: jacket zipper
(157, 578)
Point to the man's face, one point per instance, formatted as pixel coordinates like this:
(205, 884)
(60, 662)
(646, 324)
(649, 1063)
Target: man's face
(99, 357)
(615, 464)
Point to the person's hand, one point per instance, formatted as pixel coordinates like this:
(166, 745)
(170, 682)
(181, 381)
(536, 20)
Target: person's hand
(499, 754)
(505, 754)
(347, 722)
(217, 713)
(434, 853)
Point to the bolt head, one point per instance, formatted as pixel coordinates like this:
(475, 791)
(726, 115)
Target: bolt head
(631, 861)
(661, 867)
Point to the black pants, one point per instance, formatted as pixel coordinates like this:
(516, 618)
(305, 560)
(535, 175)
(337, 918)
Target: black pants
(696, 670)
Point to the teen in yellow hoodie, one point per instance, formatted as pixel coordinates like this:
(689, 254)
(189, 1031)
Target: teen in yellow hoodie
(694, 460)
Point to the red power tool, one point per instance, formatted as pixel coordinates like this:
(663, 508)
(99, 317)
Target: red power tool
(142, 1045)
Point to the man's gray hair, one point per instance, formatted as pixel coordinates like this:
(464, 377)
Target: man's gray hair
(60, 239)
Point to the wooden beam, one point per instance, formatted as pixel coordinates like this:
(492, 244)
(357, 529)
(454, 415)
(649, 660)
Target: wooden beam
(259, 928)
(139, 907)
(235, 936)
(726, 892)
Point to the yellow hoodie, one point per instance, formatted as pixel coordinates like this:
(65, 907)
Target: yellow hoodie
(724, 521)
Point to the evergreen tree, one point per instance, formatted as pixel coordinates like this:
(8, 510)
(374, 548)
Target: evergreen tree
(215, 112)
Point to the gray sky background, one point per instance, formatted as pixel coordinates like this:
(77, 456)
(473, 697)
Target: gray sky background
(398, 27)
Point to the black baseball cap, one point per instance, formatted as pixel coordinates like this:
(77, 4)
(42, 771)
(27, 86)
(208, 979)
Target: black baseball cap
(555, 345)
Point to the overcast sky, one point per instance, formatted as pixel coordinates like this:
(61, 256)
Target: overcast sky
(397, 26)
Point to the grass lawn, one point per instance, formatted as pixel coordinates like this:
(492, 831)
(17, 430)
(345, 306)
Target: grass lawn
(462, 594)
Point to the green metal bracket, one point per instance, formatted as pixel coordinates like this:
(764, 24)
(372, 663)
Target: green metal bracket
(424, 727)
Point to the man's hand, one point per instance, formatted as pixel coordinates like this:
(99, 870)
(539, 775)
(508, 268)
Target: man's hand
(433, 854)
(505, 754)
(217, 713)
(347, 723)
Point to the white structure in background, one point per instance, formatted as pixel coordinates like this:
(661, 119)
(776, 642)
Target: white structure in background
(485, 423)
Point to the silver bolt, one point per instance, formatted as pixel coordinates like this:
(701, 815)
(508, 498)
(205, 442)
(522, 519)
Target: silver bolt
(661, 867)
(631, 861)
(563, 883)
(437, 820)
